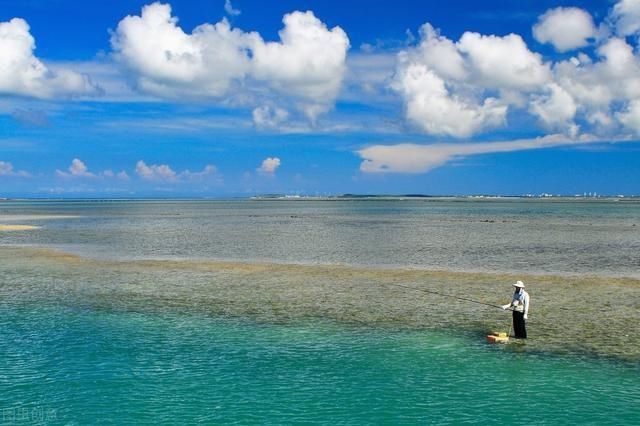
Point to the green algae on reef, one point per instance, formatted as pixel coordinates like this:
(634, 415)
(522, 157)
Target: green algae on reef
(592, 316)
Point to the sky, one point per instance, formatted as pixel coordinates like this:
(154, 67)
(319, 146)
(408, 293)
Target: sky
(234, 98)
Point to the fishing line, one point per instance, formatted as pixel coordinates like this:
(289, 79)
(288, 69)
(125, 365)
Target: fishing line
(460, 297)
(447, 295)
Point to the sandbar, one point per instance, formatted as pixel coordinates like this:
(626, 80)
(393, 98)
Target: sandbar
(17, 227)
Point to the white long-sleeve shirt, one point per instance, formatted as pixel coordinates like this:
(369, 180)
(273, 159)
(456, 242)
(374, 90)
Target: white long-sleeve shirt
(520, 302)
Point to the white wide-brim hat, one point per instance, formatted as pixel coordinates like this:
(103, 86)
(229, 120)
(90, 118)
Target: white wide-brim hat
(518, 284)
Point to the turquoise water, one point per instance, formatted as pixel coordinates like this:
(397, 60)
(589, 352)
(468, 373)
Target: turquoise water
(115, 367)
(126, 312)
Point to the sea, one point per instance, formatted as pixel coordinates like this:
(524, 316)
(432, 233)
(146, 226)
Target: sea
(318, 311)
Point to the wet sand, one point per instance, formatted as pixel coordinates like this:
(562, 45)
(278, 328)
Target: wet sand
(578, 315)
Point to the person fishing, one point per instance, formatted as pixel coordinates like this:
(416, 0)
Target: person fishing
(520, 307)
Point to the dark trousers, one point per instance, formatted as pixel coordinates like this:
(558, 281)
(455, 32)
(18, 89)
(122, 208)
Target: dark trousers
(518, 325)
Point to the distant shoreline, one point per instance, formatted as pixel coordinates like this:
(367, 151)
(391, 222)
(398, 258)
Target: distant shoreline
(545, 197)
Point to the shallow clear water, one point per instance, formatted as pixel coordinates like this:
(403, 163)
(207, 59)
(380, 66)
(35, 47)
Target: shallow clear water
(121, 367)
(280, 334)
(533, 236)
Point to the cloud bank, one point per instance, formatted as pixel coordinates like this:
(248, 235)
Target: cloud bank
(413, 158)
(462, 88)
(164, 173)
(78, 169)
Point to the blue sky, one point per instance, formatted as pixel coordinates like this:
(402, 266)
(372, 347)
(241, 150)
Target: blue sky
(236, 98)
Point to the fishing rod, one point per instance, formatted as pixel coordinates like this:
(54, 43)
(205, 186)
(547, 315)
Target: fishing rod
(462, 298)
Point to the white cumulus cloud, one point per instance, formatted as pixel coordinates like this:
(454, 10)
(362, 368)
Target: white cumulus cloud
(22, 73)
(625, 17)
(441, 54)
(308, 62)
(168, 62)
(566, 28)
(556, 109)
(306, 67)
(156, 172)
(459, 89)
(431, 106)
(164, 173)
(269, 165)
(6, 169)
(603, 88)
(231, 11)
(208, 171)
(630, 117)
(453, 89)
(76, 169)
(504, 62)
